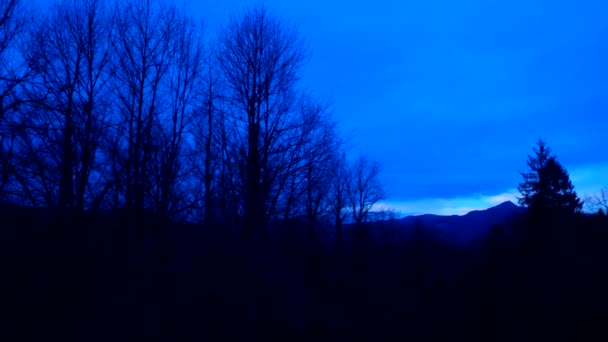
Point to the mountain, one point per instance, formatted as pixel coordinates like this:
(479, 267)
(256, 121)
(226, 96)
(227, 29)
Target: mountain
(471, 226)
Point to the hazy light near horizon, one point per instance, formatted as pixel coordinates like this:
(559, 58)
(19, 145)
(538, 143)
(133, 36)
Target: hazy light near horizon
(588, 182)
(445, 206)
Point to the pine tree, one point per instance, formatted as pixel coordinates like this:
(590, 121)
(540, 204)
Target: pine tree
(531, 184)
(547, 186)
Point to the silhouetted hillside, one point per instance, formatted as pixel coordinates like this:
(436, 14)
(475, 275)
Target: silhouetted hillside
(471, 226)
(191, 283)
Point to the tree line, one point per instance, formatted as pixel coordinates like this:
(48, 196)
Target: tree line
(130, 110)
(131, 107)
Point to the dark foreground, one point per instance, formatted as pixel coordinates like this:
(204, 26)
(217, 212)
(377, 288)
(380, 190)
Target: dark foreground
(94, 282)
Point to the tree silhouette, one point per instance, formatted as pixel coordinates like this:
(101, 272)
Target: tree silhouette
(260, 59)
(338, 192)
(156, 66)
(136, 113)
(365, 188)
(14, 74)
(598, 202)
(60, 124)
(14, 71)
(547, 186)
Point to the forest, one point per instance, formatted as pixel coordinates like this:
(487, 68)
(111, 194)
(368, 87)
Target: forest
(160, 184)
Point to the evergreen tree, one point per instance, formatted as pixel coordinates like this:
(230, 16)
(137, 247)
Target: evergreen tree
(547, 186)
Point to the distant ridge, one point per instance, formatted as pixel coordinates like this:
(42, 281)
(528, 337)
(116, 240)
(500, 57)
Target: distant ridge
(471, 226)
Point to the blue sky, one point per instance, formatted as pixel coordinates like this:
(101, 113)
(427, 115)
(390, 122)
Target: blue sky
(451, 96)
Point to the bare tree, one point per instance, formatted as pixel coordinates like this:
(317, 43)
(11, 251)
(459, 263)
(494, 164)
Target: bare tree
(210, 106)
(365, 188)
(183, 78)
(14, 73)
(95, 27)
(144, 56)
(260, 59)
(339, 191)
(299, 149)
(216, 157)
(69, 53)
(311, 162)
(210, 141)
(13, 68)
(598, 202)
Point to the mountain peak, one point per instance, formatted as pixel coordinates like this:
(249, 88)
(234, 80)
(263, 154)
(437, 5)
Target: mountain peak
(503, 209)
(470, 226)
(507, 204)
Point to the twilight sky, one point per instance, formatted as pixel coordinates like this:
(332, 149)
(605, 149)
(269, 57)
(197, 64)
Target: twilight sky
(451, 96)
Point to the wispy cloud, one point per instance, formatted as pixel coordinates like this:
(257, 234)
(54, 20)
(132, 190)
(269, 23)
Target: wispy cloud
(452, 206)
(588, 180)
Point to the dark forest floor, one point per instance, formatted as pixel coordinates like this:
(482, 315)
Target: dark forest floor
(189, 284)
